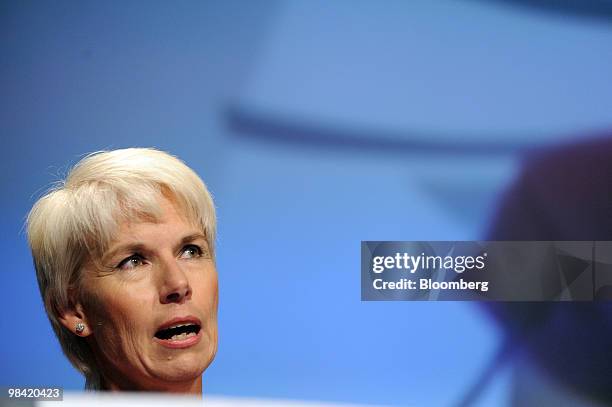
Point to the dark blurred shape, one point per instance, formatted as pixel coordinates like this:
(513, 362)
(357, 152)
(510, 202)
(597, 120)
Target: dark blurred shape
(564, 193)
(593, 9)
(291, 131)
(604, 293)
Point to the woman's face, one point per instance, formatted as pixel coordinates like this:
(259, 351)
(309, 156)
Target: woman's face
(153, 316)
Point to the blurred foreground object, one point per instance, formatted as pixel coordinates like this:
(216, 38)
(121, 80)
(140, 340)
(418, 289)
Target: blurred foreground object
(160, 399)
(564, 193)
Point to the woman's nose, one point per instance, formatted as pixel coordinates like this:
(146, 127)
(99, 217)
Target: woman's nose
(175, 286)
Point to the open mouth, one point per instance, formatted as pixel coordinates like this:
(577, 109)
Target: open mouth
(179, 332)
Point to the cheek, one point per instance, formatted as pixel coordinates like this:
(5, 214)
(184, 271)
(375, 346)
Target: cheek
(210, 304)
(211, 294)
(208, 298)
(119, 321)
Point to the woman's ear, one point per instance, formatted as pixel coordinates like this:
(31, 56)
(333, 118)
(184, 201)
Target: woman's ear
(74, 319)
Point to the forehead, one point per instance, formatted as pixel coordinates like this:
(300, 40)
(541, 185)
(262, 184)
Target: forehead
(170, 219)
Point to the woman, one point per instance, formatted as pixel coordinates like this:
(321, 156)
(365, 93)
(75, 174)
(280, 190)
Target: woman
(124, 255)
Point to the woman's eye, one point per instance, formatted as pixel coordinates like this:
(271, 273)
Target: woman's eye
(191, 251)
(131, 262)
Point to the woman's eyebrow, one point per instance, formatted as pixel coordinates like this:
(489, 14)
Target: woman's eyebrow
(192, 237)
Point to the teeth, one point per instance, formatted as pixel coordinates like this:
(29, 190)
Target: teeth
(180, 325)
(182, 336)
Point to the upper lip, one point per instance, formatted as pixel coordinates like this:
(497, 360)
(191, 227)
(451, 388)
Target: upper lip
(189, 319)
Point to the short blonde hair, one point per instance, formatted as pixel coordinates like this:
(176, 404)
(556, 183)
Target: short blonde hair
(78, 218)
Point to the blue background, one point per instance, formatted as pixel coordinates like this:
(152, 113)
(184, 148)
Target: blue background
(402, 121)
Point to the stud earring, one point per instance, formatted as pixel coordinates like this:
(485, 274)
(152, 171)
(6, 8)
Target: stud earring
(80, 327)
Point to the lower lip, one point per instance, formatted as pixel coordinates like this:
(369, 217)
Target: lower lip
(181, 344)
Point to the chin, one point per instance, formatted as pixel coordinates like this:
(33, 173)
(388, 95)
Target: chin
(184, 367)
(179, 371)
